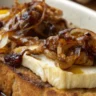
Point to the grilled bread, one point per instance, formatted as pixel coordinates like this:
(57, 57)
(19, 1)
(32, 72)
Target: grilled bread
(22, 82)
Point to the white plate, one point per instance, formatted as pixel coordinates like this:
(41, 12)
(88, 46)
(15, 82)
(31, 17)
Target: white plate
(75, 13)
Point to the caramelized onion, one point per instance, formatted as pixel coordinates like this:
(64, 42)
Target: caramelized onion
(4, 40)
(41, 19)
(50, 54)
(4, 50)
(78, 51)
(70, 46)
(34, 19)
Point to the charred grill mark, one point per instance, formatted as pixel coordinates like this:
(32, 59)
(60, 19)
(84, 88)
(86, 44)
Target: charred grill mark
(38, 82)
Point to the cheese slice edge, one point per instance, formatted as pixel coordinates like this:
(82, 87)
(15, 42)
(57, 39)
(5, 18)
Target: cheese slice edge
(57, 77)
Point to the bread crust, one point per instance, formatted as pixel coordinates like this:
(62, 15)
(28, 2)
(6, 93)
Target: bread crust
(22, 82)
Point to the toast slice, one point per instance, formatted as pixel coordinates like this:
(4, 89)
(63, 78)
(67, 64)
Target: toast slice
(22, 82)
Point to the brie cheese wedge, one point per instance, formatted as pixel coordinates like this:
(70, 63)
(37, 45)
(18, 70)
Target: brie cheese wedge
(46, 69)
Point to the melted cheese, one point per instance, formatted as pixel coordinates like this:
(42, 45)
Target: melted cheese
(75, 70)
(75, 77)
